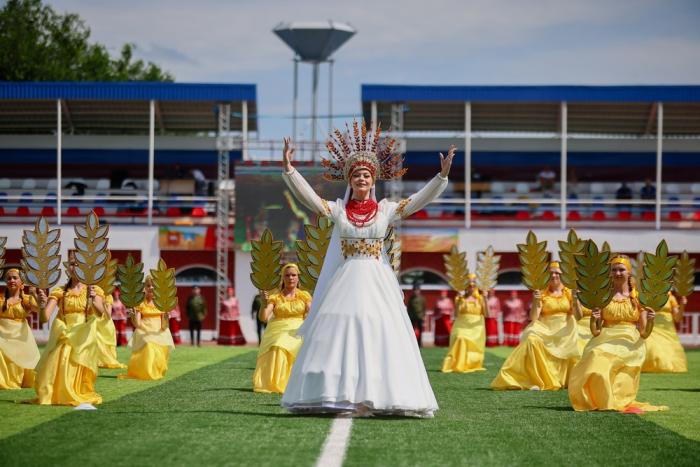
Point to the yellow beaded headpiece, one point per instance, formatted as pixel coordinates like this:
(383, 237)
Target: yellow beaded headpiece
(471, 276)
(362, 149)
(622, 260)
(554, 265)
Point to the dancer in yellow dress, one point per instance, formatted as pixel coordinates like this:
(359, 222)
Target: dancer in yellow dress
(583, 325)
(549, 345)
(284, 313)
(665, 353)
(107, 337)
(19, 353)
(468, 336)
(607, 377)
(151, 342)
(67, 370)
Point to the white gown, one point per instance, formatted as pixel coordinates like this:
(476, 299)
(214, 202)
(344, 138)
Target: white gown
(360, 353)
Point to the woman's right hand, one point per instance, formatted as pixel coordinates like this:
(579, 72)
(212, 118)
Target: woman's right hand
(287, 154)
(595, 312)
(42, 297)
(537, 294)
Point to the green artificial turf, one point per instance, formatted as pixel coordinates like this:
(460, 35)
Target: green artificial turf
(17, 416)
(204, 413)
(207, 416)
(478, 426)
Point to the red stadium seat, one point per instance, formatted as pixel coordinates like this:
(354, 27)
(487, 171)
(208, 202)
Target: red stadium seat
(573, 216)
(23, 211)
(675, 216)
(199, 212)
(548, 216)
(522, 215)
(624, 215)
(173, 212)
(599, 215)
(48, 211)
(99, 210)
(648, 215)
(2, 211)
(696, 216)
(72, 211)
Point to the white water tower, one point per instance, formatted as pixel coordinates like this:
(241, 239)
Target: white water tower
(314, 43)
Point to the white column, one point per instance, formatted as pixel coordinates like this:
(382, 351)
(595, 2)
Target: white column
(59, 160)
(563, 163)
(244, 129)
(468, 165)
(659, 160)
(151, 157)
(373, 115)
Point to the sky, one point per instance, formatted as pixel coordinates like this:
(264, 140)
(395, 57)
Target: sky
(590, 42)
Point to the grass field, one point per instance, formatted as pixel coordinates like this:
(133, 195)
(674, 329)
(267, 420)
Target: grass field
(204, 413)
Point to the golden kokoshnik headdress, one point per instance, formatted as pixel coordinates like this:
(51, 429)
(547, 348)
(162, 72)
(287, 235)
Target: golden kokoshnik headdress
(362, 149)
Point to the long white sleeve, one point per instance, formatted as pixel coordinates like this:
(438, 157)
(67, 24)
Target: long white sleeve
(422, 198)
(302, 191)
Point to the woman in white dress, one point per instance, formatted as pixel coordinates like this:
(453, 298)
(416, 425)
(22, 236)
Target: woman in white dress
(360, 355)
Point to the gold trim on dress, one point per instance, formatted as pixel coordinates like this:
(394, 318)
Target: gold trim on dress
(402, 206)
(362, 247)
(326, 208)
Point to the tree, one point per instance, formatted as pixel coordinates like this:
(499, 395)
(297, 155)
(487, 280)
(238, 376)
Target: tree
(37, 44)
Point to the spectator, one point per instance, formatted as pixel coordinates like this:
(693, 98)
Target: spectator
(648, 193)
(546, 179)
(416, 311)
(196, 312)
(200, 182)
(119, 317)
(174, 324)
(255, 314)
(624, 192)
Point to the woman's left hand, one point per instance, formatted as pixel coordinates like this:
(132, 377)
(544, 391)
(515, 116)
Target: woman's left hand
(446, 161)
(651, 314)
(92, 293)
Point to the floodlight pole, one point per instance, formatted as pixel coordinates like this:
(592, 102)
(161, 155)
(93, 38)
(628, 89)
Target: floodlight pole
(314, 117)
(296, 98)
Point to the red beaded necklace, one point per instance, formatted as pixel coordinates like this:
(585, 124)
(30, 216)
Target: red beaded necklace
(361, 213)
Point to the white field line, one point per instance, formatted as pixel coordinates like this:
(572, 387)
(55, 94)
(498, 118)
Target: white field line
(333, 451)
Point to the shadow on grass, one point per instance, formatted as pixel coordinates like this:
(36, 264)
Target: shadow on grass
(677, 389)
(228, 389)
(562, 408)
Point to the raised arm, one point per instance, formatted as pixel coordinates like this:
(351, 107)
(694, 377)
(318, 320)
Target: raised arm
(299, 187)
(430, 191)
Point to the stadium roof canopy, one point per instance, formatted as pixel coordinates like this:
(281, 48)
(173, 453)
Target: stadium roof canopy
(628, 110)
(121, 107)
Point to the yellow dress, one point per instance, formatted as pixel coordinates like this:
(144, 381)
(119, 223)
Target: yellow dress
(467, 339)
(19, 353)
(150, 344)
(665, 353)
(584, 329)
(607, 377)
(67, 370)
(280, 344)
(547, 350)
(107, 339)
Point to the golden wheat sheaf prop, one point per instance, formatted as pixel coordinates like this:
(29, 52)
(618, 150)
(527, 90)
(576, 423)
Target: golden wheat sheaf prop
(266, 264)
(487, 266)
(684, 275)
(568, 250)
(392, 248)
(593, 271)
(457, 269)
(110, 277)
(164, 289)
(657, 281)
(91, 250)
(130, 276)
(40, 255)
(312, 251)
(534, 262)
(3, 242)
